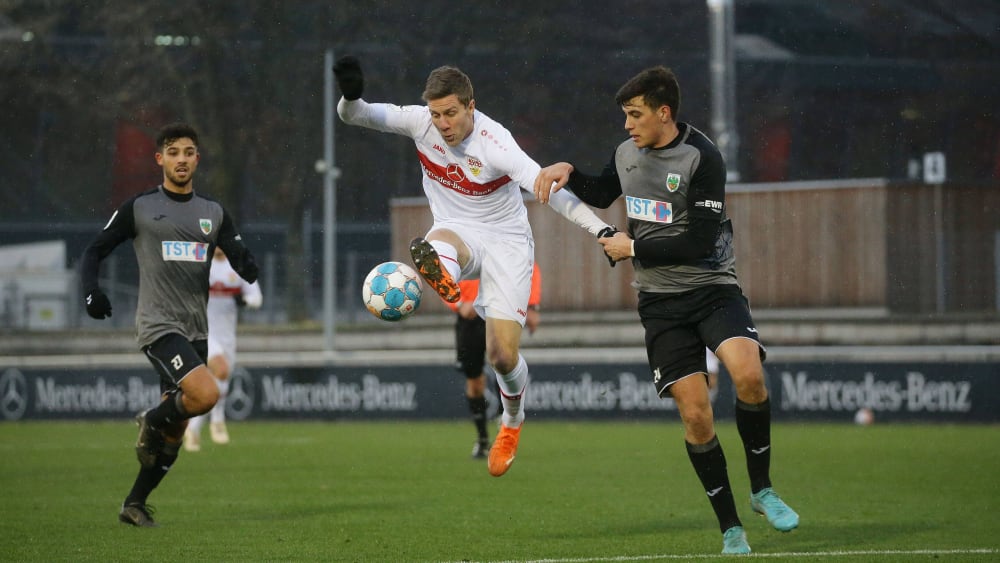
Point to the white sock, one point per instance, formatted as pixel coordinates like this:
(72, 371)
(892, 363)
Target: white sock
(218, 413)
(449, 258)
(195, 423)
(512, 386)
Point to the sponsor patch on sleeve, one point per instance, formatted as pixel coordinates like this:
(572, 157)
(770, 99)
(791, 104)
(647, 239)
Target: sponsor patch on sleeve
(715, 206)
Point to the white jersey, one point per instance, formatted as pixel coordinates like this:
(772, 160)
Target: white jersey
(474, 190)
(224, 286)
(476, 183)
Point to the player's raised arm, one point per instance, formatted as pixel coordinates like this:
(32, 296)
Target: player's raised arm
(350, 78)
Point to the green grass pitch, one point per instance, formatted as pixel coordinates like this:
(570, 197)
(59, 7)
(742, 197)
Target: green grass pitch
(578, 492)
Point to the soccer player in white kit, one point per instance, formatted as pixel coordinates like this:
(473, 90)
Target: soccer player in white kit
(473, 174)
(226, 293)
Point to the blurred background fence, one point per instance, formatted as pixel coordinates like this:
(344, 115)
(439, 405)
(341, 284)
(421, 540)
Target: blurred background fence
(868, 244)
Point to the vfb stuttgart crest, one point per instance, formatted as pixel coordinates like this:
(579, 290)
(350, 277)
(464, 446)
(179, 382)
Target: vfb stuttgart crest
(206, 225)
(673, 182)
(475, 165)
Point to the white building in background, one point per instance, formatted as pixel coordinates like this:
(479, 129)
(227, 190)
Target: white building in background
(35, 286)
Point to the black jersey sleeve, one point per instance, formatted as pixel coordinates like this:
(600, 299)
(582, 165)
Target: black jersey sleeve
(596, 191)
(706, 195)
(119, 228)
(238, 254)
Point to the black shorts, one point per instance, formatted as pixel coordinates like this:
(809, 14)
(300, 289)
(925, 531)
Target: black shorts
(679, 326)
(470, 346)
(173, 357)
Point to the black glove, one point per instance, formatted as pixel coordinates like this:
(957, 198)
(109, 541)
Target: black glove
(240, 302)
(98, 304)
(349, 77)
(608, 232)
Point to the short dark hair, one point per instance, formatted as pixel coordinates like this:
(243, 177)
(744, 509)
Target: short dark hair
(170, 133)
(658, 87)
(445, 81)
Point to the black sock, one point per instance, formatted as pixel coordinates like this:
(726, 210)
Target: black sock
(710, 464)
(150, 477)
(169, 412)
(754, 425)
(477, 406)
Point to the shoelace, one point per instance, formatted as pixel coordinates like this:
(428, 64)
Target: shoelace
(773, 502)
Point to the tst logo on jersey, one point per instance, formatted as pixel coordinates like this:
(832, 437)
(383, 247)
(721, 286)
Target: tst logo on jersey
(184, 251)
(648, 210)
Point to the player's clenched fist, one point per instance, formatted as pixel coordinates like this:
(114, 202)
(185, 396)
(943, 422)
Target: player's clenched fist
(98, 304)
(350, 79)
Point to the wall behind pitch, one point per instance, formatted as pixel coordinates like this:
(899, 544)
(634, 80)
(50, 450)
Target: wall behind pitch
(940, 392)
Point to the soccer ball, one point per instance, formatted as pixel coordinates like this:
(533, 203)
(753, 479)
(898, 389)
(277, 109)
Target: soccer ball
(864, 417)
(392, 291)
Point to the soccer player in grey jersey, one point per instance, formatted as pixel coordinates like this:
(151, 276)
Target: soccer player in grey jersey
(174, 232)
(680, 241)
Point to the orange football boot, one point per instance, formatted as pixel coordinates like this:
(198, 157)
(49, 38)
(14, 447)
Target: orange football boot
(503, 450)
(429, 265)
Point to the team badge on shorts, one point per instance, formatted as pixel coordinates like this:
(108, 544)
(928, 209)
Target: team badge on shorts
(206, 225)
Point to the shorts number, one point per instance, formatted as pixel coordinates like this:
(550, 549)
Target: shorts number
(177, 362)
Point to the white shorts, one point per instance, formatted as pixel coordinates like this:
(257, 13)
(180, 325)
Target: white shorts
(503, 265)
(711, 361)
(223, 346)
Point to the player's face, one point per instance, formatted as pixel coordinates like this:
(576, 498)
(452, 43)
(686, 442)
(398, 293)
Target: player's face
(179, 160)
(452, 119)
(647, 127)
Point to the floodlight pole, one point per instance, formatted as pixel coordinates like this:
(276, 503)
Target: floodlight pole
(722, 68)
(330, 175)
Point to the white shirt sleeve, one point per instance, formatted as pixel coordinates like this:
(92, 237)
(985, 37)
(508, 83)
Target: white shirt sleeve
(252, 295)
(388, 118)
(569, 206)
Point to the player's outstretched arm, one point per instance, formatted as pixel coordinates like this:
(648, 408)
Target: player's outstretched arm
(565, 203)
(551, 179)
(354, 110)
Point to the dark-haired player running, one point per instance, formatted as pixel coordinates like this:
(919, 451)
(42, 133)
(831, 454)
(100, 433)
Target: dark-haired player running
(174, 232)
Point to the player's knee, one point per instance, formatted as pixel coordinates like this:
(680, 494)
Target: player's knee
(503, 362)
(219, 367)
(200, 393)
(698, 427)
(749, 385)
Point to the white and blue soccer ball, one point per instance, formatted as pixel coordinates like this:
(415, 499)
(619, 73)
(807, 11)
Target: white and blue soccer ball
(392, 291)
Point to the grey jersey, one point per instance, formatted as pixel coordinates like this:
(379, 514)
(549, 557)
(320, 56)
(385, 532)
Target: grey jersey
(174, 236)
(662, 188)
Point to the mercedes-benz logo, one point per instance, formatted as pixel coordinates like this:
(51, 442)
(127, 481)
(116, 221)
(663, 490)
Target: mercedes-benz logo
(13, 394)
(239, 400)
(455, 173)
